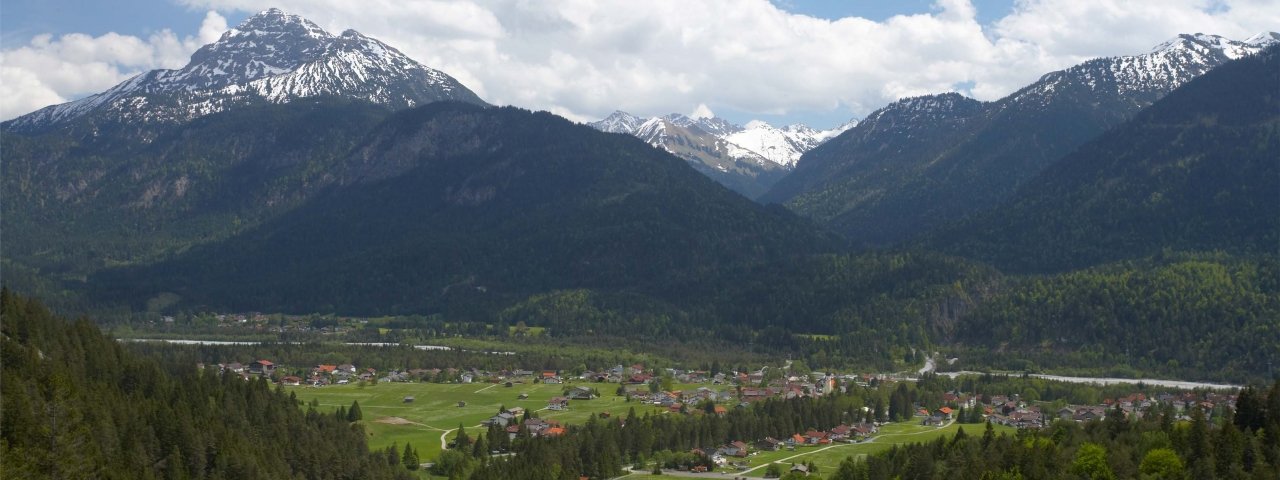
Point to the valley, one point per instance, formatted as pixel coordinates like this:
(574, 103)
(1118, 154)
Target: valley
(308, 255)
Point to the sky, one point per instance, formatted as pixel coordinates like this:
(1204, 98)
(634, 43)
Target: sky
(819, 62)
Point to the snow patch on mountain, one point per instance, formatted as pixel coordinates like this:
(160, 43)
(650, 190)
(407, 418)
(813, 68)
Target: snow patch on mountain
(271, 57)
(1165, 68)
(758, 142)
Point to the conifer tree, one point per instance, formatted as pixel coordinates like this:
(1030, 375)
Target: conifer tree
(354, 414)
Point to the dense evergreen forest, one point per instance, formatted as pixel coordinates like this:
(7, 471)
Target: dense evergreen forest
(78, 405)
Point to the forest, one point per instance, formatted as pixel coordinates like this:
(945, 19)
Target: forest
(78, 405)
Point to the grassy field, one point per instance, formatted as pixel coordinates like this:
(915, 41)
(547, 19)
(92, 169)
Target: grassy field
(828, 457)
(435, 414)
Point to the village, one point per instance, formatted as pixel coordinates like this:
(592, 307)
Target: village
(545, 403)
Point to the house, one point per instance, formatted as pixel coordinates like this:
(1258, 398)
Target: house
(346, 367)
(814, 437)
(946, 412)
(325, 369)
(801, 468)
(553, 432)
(517, 411)
(522, 396)
(467, 378)
(408, 399)
(720, 410)
(462, 404)
(235, 367)
(796, 439)
(291, 381)
(840, 432)
(734, 449)
(864, 430)
(769, 444)
(558, 403)
(502, 419)
(262, 367)
(936, 420)
(581, 393)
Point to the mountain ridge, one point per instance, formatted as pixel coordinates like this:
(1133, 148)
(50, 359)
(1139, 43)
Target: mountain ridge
(889, 179)
(747, 159)
(271, 57)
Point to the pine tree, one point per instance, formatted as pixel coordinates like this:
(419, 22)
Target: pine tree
(481, 448)
(353, 414)
(410, 458)
(462, 440)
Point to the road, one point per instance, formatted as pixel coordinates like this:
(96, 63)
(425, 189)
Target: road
(677, 473)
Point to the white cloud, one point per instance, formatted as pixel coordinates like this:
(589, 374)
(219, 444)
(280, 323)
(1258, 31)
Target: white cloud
(585, 58)
(49, 70)
(702, 111)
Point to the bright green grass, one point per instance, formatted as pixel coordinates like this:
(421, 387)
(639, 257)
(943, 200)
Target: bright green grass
(434, 411)
(828, 457)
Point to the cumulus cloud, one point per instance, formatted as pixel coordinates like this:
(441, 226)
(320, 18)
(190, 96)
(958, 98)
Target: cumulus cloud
(49, 70)
(585, 58)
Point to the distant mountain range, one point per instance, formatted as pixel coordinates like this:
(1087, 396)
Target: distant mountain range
(286, 169)
(747, 159)
(1196, 171)
(923, 162)
(271, 57)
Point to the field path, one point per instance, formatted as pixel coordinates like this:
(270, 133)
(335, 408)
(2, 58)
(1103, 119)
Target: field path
(486, 388)
(444, 444)
(811, 452)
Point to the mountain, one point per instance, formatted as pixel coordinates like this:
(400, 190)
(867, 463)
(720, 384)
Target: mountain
(165, 161)
(452, 200)
(271, 57)
(1196, 171)
(746, 159)
(923, 162)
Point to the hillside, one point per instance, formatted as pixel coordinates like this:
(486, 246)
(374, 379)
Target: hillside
(1195, 172)
(452, 199)
(74, 206)
(77, 404)
(921, 163)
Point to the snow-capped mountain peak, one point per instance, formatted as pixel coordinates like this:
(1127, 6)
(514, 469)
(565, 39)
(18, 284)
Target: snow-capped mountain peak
(619, 122)
(1166, 67)
(1264, 39)
(271, 57)
(757, 141)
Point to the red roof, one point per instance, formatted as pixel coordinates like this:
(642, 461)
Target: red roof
(797, 438)
(265, 362)
(326, 368)
(553, 432)
(945, 410)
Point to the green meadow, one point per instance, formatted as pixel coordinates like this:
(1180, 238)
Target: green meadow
(434, 416)
(434, 413)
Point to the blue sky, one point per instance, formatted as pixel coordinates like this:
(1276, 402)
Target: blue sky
(744, 59)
